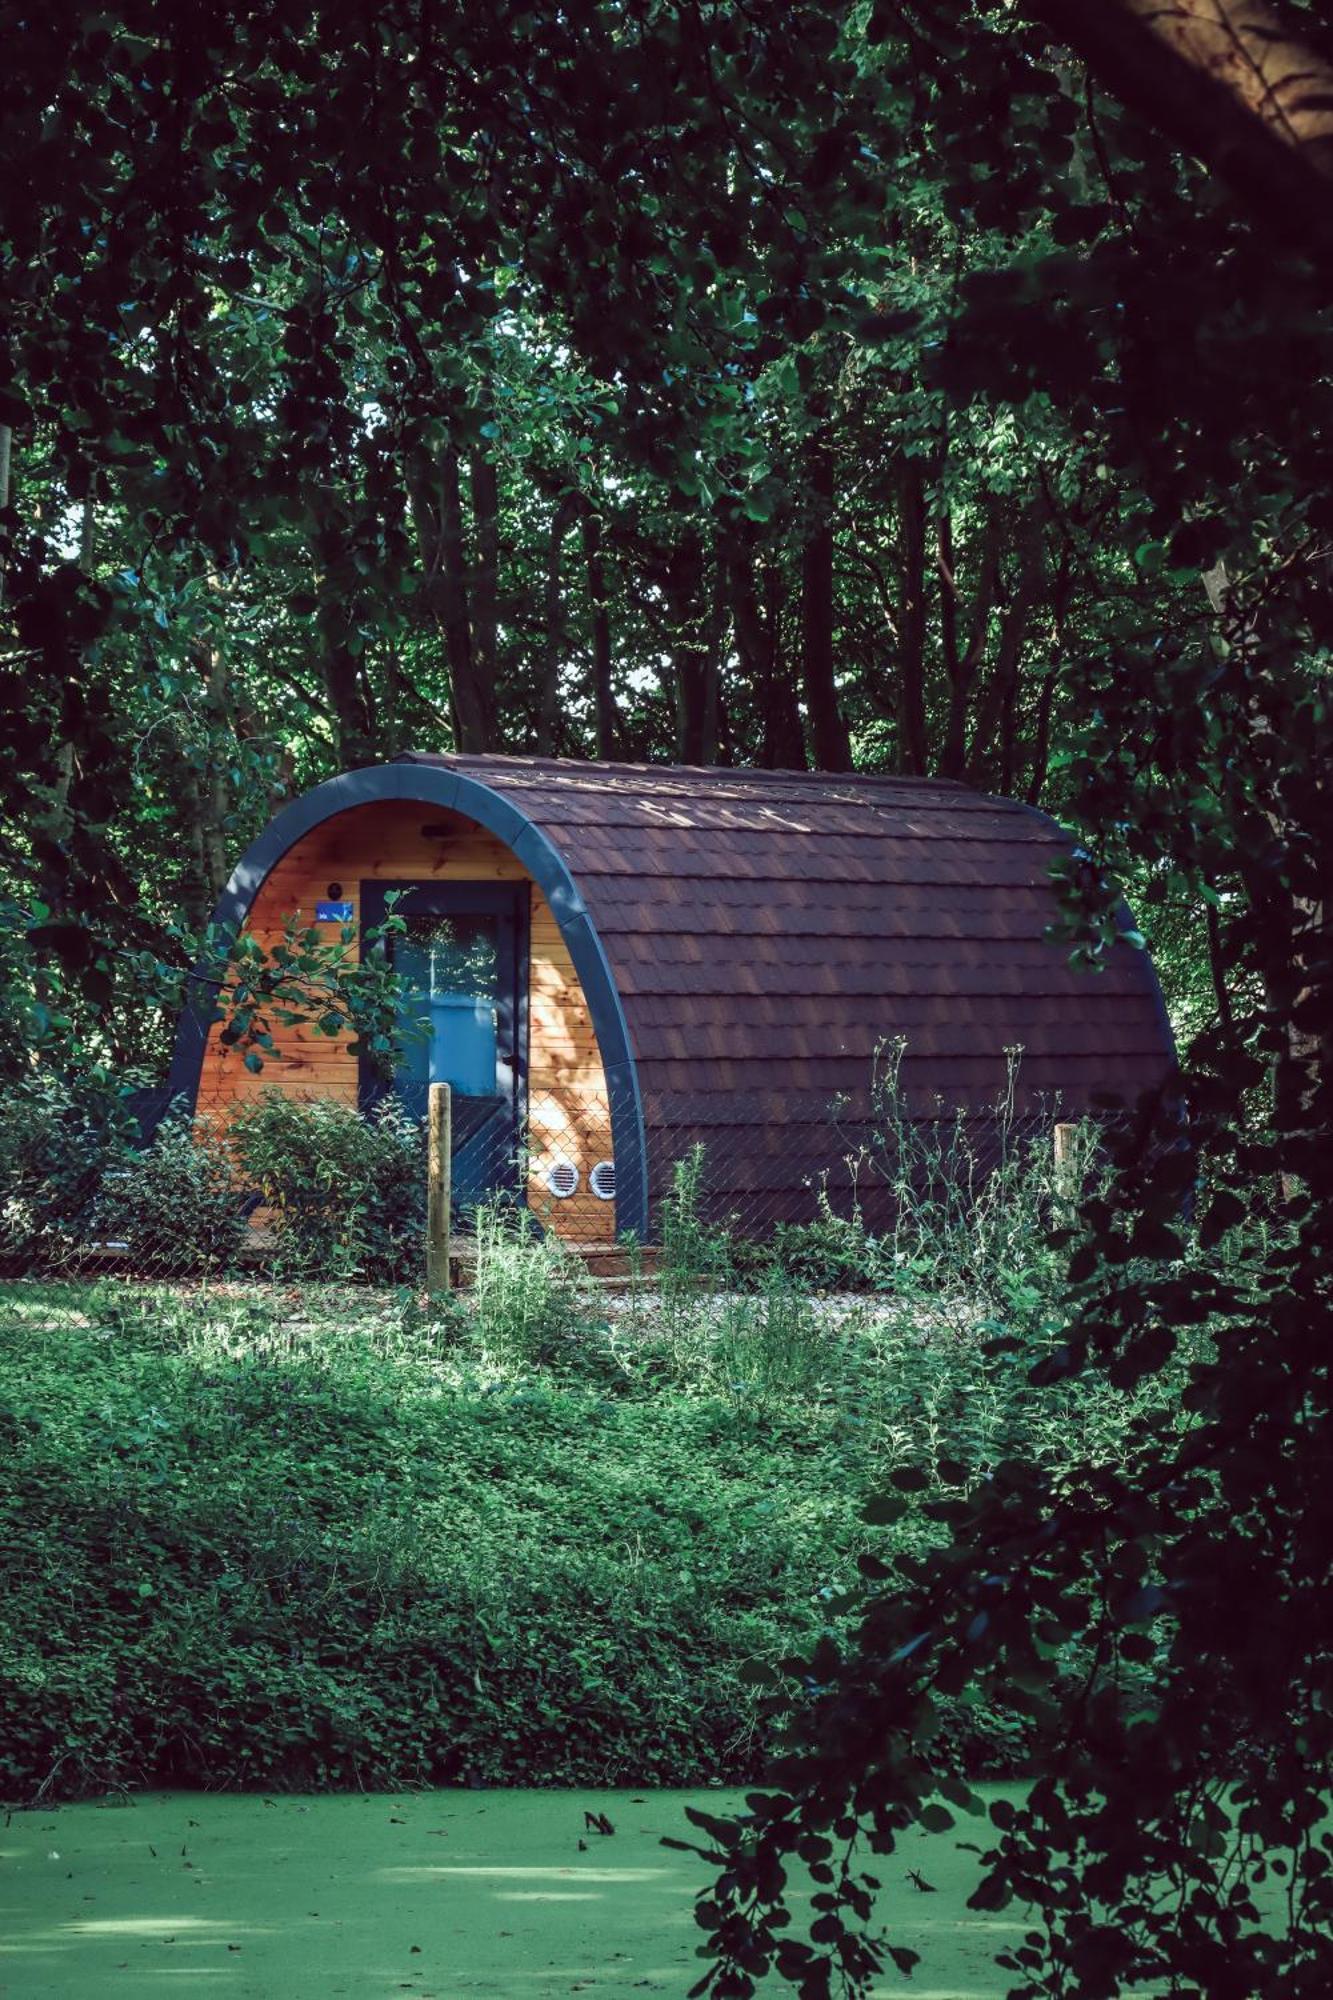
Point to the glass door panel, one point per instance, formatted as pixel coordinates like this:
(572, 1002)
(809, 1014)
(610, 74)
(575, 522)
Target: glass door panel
(463, 959)
(452, 967)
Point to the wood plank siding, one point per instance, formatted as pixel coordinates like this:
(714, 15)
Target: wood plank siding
(567, 1108)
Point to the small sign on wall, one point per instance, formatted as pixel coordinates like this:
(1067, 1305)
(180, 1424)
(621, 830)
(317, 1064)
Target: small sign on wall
(333, 913)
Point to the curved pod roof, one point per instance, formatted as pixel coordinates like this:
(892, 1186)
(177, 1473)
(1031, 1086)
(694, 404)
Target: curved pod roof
(746, 941)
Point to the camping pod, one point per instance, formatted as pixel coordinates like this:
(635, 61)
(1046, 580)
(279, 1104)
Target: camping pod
(614, 965)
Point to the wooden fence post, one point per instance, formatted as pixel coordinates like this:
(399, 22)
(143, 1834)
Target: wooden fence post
(439, 1135)
(1064, 1146)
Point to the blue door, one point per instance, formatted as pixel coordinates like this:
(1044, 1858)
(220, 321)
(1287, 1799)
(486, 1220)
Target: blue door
(462, 957)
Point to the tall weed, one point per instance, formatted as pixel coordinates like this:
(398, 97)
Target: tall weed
(973, 1201)
(695, 1258)
(769, 1345)
(529, 1303)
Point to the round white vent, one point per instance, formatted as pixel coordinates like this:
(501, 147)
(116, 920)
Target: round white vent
(602, 1180)
(562, 1179)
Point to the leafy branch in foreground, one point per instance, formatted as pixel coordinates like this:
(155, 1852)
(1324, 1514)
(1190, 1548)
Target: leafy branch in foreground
(1176, 1830)
(307, 979)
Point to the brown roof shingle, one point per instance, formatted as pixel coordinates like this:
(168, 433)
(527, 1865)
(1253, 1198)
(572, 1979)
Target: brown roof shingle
(768, 931)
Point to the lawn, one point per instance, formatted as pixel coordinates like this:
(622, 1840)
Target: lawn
(430, 1894)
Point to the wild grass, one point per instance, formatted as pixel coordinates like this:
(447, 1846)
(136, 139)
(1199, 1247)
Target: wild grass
(530, 1301)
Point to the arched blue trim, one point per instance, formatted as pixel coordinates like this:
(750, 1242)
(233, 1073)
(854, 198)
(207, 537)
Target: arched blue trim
(432, 785)
(1125, 925)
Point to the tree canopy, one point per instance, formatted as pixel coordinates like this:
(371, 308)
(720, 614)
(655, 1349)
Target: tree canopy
(638, 381)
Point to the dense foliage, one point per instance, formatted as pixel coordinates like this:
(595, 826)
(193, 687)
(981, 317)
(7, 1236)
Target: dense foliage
(1203, 748)
(291, 1185)
(629, 381)
(878, 384)
(341, 1194)
(321, 1538)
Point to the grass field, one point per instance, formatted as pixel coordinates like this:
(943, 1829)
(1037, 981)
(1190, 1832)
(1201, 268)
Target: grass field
(432, 1894)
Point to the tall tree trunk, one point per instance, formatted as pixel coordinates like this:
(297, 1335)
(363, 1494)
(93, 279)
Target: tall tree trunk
(391, 707)
(553, 644)
(962, 662)
(1013, 633)
(784, 736)
(6, 450)
(604, 698)
(435, 492)
(1041, 743)
(473, 699)
(210, 798)
(351, 708)
(758, 630)
(65, 759)
(997, 711)
(997, 707)
(829, 737)
(485, 487)
(911, 661)
(694, 665)
(715, 638)
(217, 846)
(88, 535)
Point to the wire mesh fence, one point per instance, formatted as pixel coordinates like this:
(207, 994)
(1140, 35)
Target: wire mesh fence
(291, 1184)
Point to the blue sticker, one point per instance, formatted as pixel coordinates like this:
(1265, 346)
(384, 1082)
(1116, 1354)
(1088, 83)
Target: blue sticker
(333, 913)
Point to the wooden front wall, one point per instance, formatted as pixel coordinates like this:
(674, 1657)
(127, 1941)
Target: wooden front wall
(568, 1114)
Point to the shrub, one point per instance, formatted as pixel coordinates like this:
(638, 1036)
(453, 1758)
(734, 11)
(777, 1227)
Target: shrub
(833, 1253)
(59, 1135)
(175, 1203)
(230, 1561)
(263, 1536)
(345, 1195)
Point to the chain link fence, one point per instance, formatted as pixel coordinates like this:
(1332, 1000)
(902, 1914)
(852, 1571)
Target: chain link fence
(290, 1186)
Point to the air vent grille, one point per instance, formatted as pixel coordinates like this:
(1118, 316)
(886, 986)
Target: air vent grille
(562, 1179)
(602, 1180)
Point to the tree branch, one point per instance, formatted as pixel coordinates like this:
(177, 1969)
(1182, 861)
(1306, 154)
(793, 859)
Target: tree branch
(1225, 80)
